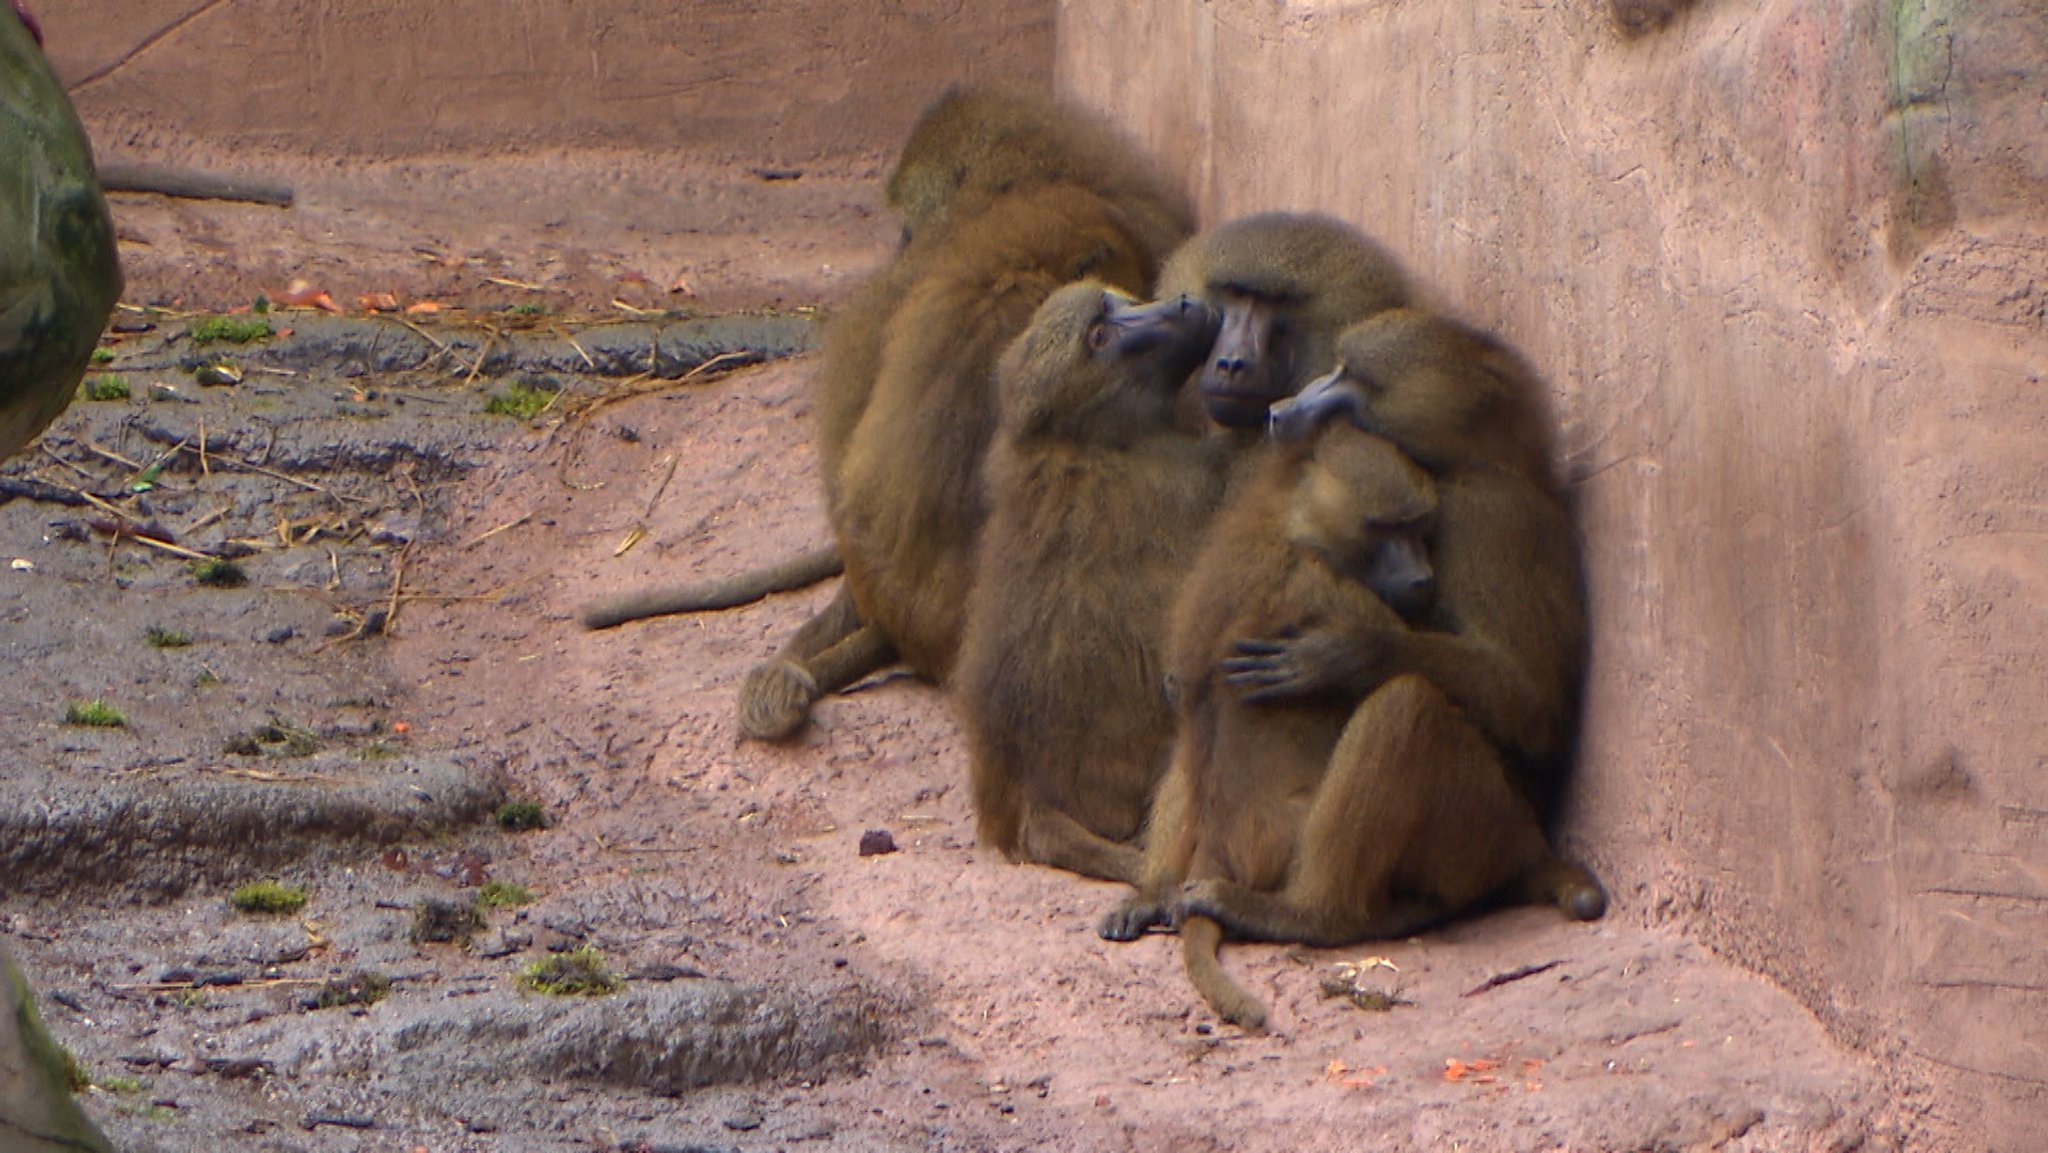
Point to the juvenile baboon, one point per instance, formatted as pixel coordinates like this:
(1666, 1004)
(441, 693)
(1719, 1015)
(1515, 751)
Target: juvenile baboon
(1006, 196)
(1288, 546)
(1506, 639)
(1097, 502)
(1287, 284)
(1318, 807)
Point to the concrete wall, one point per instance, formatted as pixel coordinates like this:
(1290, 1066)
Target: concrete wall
(778, 81)
(1786, 265)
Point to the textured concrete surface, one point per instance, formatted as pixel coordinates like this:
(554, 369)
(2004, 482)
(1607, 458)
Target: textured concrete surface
(1782, 263)
(768, 82)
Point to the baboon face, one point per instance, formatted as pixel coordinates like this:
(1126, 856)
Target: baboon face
(1253, 362)
(1287, 283)
(1368, 510)
(1095, 362)
(1431, 385)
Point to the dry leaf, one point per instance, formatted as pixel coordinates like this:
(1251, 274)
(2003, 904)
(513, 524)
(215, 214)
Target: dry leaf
(1456, 1070)
(304, 294)
(419, 307)
(378, 302)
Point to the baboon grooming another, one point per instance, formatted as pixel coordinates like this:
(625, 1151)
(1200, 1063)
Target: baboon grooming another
(1287, 284)
(1097, 502)
(1006, 196)
(1321, 805)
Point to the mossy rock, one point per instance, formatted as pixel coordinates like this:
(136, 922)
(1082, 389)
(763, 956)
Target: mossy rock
(37, 1114)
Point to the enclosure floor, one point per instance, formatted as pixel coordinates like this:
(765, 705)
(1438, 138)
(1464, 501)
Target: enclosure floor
(1010, 1024)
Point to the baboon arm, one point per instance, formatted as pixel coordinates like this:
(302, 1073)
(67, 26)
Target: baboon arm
(1496, 692)
(1505, 702)
(745, 588)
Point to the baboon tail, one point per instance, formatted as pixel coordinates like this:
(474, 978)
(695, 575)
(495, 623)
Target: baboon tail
(1200, 937)
(795, 573)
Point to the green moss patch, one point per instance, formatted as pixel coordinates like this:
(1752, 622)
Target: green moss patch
(523, 400)
(504, 895)
(269, 897)
(522, 816)
(579, 973)
(105, 386)
(230, 329)
(96, 713)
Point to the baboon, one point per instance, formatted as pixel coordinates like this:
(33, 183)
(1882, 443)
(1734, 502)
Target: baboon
(1097, 502)
(1287, 284)
(974, 146)
(1506, 639)
(1304, 802)
(1006, 196)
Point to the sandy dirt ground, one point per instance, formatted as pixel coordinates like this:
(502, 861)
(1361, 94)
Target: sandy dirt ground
(933, 997)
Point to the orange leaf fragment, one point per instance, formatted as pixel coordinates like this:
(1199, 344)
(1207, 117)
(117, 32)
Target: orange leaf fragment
(1456, 1070)
(1364, 1080)
(401, 727)
(418, 307)
(378, 302)
(303, 294)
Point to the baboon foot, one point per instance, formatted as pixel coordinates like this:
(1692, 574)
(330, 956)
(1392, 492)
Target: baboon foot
(775, 700)
(1129, 920)
(1585, 902)
(1570, 887)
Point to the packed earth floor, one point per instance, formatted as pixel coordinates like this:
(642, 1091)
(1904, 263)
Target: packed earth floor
(402, 657)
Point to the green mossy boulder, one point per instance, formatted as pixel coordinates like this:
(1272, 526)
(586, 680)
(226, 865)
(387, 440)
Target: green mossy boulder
(37, 1114)
(59, 272)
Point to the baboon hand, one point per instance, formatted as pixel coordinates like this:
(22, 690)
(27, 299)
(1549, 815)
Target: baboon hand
(1296, 664)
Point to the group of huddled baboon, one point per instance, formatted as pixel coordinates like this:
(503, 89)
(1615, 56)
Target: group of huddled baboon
(1247, 575)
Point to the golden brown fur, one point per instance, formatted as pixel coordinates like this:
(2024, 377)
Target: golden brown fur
(1506, 639)
(1343, 797)
(1287, 284)
(1097, 505)
(1005, 195)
